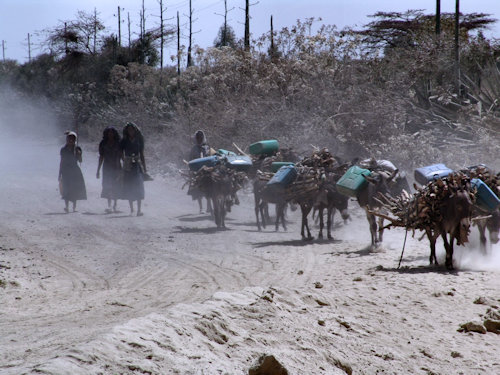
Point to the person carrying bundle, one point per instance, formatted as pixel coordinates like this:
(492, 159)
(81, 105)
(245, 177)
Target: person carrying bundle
(200, 149)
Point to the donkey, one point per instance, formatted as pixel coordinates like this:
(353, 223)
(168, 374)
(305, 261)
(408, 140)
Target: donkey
(334, 201)
(456, 213)
(263, 196)
(491, 223)
(378, 184)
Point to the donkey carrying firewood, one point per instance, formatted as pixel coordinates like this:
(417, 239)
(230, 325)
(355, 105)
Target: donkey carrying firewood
(378, 184)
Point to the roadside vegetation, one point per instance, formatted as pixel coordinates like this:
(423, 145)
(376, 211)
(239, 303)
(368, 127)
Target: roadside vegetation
(393, 90)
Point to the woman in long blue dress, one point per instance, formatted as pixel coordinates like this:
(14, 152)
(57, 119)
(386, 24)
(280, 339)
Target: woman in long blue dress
(71, 179)
(109, 160)
(134, 166)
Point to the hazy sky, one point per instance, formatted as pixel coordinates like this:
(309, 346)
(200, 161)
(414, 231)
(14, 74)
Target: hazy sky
(20, 17)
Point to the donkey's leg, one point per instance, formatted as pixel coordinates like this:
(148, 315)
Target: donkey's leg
(257, 209)
(321, 220)
(329, 221)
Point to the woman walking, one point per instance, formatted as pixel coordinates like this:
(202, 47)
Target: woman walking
(71, 182)
(134, 166)
(109, 160)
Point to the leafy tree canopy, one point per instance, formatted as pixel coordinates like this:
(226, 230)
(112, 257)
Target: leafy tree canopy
(225, 37)
(400, 29)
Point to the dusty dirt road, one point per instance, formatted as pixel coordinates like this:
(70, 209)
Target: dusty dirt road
(166, 293)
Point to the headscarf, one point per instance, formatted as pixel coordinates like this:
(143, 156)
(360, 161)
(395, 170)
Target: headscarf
(69, 133)
(204, 139)
(138, 132)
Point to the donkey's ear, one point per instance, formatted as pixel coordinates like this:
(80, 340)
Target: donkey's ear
(370, 179)
(393, 175)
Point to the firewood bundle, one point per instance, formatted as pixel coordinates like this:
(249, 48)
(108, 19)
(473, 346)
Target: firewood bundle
(423, 209)
(206, 178)
(486, 175)
(320, 158)
(263, 162)
(306, 186)
(264, 176)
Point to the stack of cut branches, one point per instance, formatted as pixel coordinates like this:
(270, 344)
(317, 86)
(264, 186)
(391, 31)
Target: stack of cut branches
(264, 176)
(306, 186)
(320, 158)
(208, 178)
(486, 175)
(423, 209)
(263, 162)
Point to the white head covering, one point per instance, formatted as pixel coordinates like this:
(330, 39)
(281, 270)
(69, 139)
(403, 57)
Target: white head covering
(69, 132)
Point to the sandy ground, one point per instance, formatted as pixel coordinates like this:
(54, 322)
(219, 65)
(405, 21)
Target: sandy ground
(166, 293)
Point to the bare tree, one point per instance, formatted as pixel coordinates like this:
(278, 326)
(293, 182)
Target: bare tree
(78, 36)
(438, 17)
(189, 58)
(457, 53)
(178, 46)
(161, 30)
(224, 34)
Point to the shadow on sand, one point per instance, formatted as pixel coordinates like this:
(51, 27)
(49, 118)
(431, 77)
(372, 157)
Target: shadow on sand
(210, 230)
(419, 269)
(366, 251)
(296, 243)
(194, 219)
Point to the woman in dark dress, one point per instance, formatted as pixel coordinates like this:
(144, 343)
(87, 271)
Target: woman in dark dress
(109, 160)
(134, 166)
(71, 180)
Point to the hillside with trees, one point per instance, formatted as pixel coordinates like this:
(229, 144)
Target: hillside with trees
(394, 89)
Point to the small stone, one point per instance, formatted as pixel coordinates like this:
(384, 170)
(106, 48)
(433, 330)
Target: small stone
(480, 301)
(456, 355)
(321, 322)
(318, 285)
(492, 326)
(268, 365)
(300, 272)
(493, 314)
(472, 327)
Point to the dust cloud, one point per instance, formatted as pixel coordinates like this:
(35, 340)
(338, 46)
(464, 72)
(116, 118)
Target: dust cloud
(29, 143)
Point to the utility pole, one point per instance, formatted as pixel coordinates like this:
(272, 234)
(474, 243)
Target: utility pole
(247, 25)
(3, 50)
(438, 17)
(143, 33)
(457, 53)
(178, 46)
(66, 38)
(162, 36)
(224, 40)
(272, 38)
(128, 17)
(119, 28)
(189, 60)
(29, 48)
(95, 30)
